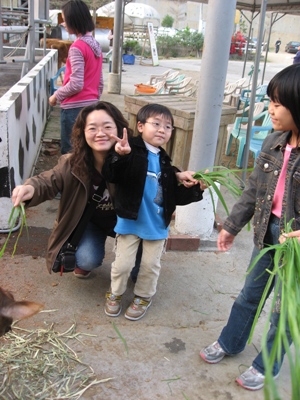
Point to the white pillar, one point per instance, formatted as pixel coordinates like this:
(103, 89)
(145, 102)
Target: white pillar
(188, 222)
(219, 28)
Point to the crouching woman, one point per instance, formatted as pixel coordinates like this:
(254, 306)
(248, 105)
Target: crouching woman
(77, 176)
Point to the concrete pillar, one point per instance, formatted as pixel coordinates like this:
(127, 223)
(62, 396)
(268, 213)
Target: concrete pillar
(199, 217)
(114, 83)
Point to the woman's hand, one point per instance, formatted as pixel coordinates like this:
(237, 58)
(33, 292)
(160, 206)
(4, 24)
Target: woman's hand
(225, 240)
(284, 236)
(22, 193)
(122, 146)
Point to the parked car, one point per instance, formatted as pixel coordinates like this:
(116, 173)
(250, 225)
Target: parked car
(263, 45)
(292, 47)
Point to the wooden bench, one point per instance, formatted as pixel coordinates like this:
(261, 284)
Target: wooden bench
(183, 110)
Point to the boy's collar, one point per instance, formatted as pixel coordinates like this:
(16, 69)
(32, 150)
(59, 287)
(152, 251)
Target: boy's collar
(151, 148)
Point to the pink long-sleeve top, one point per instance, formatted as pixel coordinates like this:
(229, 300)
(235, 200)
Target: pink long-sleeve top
(83, 81)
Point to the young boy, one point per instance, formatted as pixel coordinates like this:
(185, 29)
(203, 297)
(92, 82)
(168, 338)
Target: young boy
(147, 192)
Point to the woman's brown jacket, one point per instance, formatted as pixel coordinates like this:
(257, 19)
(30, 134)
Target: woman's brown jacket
(74, 196)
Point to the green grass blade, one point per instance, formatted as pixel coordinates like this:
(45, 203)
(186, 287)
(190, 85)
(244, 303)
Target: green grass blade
(120, 336)
(223, 176)
(16, 214)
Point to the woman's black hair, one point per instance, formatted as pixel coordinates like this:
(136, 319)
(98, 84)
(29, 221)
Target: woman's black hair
(78, 17)
(152, 110)
(82, 158)
(284, 88)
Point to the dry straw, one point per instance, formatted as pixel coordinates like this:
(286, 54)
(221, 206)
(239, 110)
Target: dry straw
(41, 365)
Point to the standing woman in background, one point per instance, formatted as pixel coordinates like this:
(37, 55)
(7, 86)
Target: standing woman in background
(83, 81)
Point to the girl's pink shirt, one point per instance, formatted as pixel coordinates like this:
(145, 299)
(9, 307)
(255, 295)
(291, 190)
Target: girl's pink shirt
(278, 195)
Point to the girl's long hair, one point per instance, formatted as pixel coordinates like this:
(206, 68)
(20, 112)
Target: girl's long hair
(82, 159)
(284, 88)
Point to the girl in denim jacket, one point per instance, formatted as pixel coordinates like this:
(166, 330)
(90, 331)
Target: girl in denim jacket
(272, 196)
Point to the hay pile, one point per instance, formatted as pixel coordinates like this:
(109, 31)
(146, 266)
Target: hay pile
(41, 364)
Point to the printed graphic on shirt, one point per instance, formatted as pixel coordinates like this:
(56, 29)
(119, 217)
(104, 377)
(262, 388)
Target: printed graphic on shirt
(158, 199)
(104, 201)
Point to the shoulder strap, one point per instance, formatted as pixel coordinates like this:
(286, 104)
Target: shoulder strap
(88, 212)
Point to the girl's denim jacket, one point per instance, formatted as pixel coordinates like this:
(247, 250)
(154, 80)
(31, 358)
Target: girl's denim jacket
(256, 200)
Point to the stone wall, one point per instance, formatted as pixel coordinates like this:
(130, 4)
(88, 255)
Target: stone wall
(23, 115)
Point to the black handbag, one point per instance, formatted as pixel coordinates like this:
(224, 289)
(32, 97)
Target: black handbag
(66, 260)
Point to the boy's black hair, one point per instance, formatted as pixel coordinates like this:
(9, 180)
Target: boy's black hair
(78, 17)
(284, 88)
(152, 110)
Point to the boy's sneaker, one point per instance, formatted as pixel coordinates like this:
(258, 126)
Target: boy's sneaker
(113, 305)
(213, 353)
(252, 379)
(138, 308)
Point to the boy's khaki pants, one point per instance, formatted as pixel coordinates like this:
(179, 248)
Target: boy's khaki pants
(126, 249)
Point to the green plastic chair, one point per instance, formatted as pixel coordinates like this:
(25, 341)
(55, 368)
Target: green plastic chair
(258, 135)
(53, 86)
(239, 128)
(260, 93)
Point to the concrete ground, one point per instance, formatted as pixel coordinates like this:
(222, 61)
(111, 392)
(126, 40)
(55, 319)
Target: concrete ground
(194, 296)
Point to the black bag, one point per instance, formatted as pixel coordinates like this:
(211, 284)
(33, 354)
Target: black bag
(65, 260)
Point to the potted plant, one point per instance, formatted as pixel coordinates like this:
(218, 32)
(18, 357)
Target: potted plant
(129, 47)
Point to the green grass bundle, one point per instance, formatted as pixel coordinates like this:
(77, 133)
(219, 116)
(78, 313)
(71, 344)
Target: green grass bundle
(287, 271)
(227, 178)
(17, 214)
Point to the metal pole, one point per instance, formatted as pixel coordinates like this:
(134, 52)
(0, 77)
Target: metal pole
(1, 38)
(247, 46)
(254, 84)
(31, 33)
(267, 50)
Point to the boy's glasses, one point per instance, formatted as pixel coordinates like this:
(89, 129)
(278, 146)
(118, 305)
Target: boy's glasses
(157, 125)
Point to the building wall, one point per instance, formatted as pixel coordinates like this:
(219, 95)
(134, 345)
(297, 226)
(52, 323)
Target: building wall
(185, 13)
(7, 3)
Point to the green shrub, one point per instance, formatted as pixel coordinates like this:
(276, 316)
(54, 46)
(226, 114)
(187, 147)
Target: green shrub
(131, 46)
(167, 22)
(184, 43)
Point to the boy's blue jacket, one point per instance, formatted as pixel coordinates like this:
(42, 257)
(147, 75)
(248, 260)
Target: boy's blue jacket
(129, 174)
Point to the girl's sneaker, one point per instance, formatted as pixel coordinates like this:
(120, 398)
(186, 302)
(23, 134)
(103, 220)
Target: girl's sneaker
(212, 354)
(252, 379)
(113, 305)
(138, 308)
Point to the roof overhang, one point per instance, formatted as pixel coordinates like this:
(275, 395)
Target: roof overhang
(287, 6)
